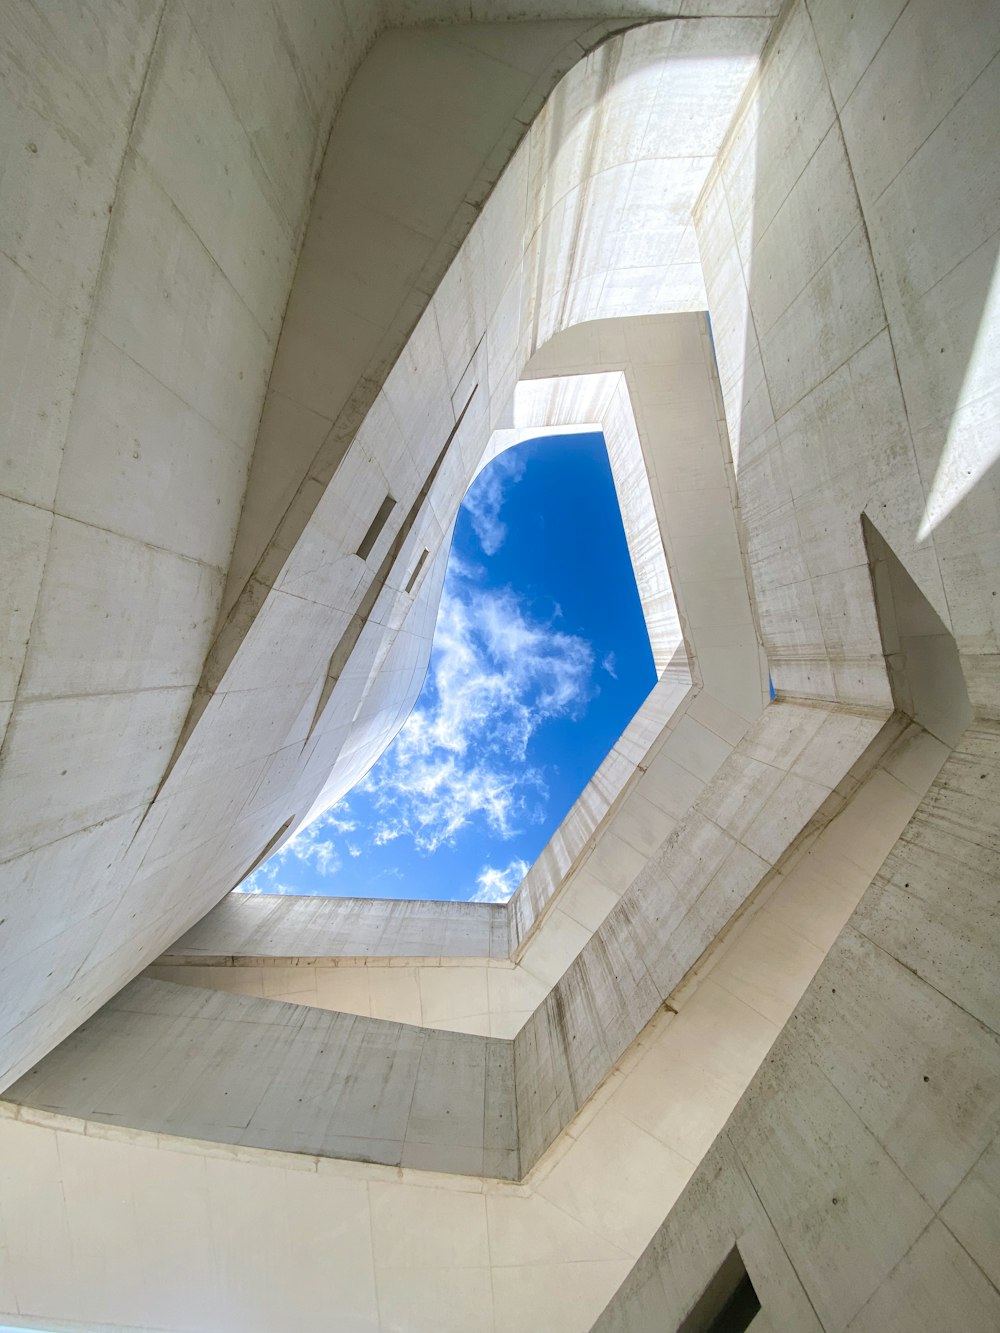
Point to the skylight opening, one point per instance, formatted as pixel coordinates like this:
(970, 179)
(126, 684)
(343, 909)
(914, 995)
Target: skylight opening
(541, 657)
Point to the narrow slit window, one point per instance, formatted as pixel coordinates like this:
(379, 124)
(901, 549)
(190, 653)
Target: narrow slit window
(376, 526)
(416, 571)
(729, 1304)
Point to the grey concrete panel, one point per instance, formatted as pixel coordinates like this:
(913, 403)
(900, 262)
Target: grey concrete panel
(868, 1135)
(266, 1073)
(233, 1069)
(263, 926)
(845, 242)
(690, 890)
(948, 939)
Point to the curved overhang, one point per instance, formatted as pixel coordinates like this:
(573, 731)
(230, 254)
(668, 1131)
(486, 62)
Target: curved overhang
(548, 249)
(603, 374)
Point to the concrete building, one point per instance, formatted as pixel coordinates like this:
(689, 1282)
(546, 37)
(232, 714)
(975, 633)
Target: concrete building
(278, 278)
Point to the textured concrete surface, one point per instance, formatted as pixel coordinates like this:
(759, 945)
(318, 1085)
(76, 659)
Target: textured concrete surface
(257, 925)
(288, 1077)
(391, 1247)
(111, 774)
(779, 785)
(266, 1074)
(858, 1173)
(833, 206)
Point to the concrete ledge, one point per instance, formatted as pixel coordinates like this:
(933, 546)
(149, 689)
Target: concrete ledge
(266, 1074)
(215, 1065)
(266, 926)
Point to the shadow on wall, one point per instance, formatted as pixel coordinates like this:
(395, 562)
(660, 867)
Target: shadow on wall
(921, 655)
(888, 408)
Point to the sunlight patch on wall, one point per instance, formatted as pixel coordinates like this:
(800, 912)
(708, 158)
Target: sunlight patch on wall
(972, 445)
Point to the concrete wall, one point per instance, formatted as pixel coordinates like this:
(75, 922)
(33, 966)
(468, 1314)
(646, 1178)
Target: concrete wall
(100, 1222)
(263, 1073)
(149, 833)
(845, 242)
(858, 1175)
(845, 204)
(159, 165)
(784, 780)
(387, 221)
(289, 1078)
(255, 925)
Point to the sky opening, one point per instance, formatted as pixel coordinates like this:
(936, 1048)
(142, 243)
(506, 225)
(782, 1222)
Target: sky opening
(540, 659)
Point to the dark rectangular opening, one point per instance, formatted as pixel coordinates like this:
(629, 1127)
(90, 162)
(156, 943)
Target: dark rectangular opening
(728, 1304)
(376, 526)
(416, 571)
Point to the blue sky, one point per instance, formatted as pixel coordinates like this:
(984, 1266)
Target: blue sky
(540, 659)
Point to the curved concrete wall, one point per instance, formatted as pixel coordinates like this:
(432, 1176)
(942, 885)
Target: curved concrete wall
(159, 180)
(855, 362)
(149, 856)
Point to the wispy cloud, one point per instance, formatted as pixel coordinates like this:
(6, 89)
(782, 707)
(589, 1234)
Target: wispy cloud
(463, 761)
(271, 887)
(496, 676)
(609, 664)
(486, 496)
(496, 886)
(311, 846)
(339, 823)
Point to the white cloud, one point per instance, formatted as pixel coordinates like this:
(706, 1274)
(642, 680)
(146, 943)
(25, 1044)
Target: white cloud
(496, 886)
(486, 496)
(463, 759)
(386, 834)
(309, 846)
(270, 885)
(496, 676)
(339, 824)
(609, 665)
(437, 796)
(294, 890)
